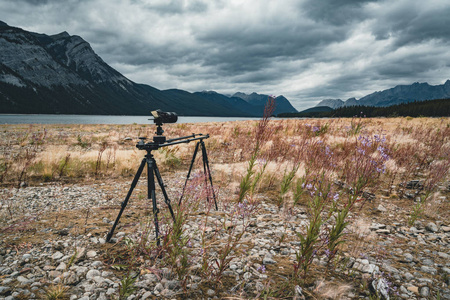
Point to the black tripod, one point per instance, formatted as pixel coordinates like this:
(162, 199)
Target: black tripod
(159, 141)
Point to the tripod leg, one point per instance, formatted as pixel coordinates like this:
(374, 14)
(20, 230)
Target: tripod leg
(163, 189)
(206, 168)
(204, 172)
(152, 195)
(124, 203)
(189, 172)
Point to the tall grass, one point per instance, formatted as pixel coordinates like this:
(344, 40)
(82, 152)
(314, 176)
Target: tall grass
(262, 135)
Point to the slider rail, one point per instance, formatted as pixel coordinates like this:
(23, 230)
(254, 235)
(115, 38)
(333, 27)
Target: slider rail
(188, 136)
(185, 139)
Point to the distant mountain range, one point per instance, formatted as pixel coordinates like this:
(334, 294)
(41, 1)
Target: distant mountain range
(61, 74)
(427, 108)
(397, 95)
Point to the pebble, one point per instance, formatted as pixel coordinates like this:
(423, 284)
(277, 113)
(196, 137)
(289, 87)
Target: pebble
(61, 267)
(381, 208)
(425, 291)
(4, 290)
(408, 276)
(429, 270)
(432, 227)
(427, 262)
(407, 257)
(159, 287)
(57, 255)
(413, 289)
(92, 273)
(91, 254)
(268, 261)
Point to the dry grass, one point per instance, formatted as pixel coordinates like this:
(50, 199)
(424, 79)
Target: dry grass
(78, 152)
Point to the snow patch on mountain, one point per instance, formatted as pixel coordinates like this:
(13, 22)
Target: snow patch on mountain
(11, 79)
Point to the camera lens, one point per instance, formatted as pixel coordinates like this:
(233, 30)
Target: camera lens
(161, 117)
(169, 117)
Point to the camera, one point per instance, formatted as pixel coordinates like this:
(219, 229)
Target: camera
(161, 117)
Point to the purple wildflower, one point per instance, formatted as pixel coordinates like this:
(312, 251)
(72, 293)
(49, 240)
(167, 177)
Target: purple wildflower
(336, 197)
(262, 269)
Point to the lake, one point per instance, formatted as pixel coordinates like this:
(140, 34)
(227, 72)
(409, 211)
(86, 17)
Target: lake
(102, 119)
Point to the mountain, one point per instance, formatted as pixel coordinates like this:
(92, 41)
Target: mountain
(282, 105)
(62, 74)
(397, 95)
(333, 103)
(200, 106)
(351, 102)
(407, 93)
(317, 111)
(241, 106)
(48, 74)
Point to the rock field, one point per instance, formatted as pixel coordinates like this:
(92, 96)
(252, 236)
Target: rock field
(60, 239)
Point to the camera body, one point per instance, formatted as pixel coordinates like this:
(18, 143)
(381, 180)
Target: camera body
(161, 117)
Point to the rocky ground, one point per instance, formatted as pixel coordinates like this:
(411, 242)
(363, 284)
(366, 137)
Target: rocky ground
(56, 239)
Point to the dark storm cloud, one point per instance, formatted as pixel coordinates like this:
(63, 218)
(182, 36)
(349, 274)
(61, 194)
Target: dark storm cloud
(339, 87)
(49, 2)
(336, 12)
(414, 24)
(306, 50)
(172, 6)
(406, 65)
(251, 49)
(35, 2)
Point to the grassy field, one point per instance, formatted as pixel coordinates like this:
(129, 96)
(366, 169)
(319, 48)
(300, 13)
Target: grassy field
(341, 175)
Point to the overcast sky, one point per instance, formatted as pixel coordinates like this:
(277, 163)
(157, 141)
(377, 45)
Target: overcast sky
(306, 50)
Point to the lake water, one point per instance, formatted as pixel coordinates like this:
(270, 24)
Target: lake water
(102, 119)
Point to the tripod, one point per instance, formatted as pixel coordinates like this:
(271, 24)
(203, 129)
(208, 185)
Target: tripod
(206, 172)
(159, 141)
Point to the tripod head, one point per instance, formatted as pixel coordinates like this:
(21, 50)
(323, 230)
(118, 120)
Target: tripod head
(159, 138)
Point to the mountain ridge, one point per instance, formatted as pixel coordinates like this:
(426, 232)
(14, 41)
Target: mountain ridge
(281, 103)
(394, 96)
(62, 74)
